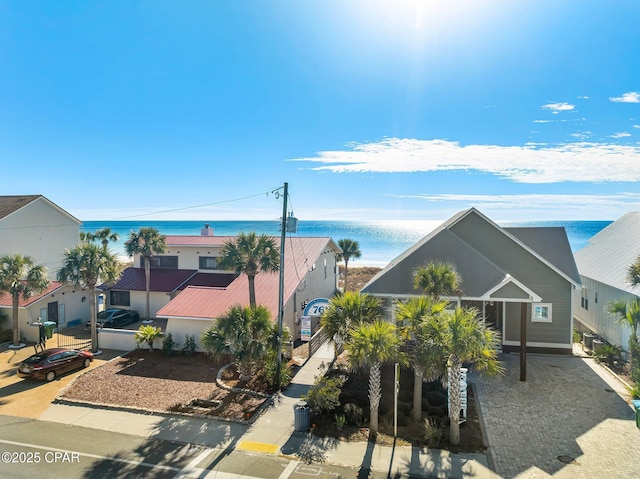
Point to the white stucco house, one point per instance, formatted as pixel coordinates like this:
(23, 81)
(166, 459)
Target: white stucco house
(603, 266)
(32, 225)
(189, 291)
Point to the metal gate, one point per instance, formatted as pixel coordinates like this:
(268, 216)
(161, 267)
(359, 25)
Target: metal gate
(74, 337)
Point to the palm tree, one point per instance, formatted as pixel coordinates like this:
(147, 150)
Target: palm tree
(250, 254)
(350, 249)
(146, 242)
(84, 266)
(633, 273)
(369, 346)
(462, 338)
(422, 355)
(104, 235)
(345, 310)
(437, 278)
(20, 276)
(628, 314)
(244, 332)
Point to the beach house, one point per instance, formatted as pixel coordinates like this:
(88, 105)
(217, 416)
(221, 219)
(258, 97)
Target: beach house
(513, 276)
(603, 266)
(189, 291)
(32, 225)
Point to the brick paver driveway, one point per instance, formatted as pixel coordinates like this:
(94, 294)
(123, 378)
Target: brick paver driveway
(569, 407)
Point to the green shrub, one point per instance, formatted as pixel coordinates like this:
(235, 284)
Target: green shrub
(270, 368)
(634, 391)
(168, 345)
(634, 361)
(147, 334)
(324, 395)
(353, 414)
(436, 398)
(609, 354)
(6, 335)
(433, 432)
(190, 346)
(340, 421)
(405, 407)
(405, 395)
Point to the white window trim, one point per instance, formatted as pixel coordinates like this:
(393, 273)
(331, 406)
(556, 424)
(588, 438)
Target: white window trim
(549, 317)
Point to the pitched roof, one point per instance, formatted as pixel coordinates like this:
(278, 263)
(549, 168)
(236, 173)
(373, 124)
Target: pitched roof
(551, 243)
(479, 274)
(609, 253)
(301, 253)
(163, 280)
(192, 240)
(6, 301)
(9, 204)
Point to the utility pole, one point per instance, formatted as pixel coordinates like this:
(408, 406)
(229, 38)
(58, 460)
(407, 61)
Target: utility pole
(283, 234)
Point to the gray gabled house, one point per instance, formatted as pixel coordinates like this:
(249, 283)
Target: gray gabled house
(603, 266)
(513, 276)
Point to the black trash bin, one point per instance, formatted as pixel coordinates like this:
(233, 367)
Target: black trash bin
(301, 416)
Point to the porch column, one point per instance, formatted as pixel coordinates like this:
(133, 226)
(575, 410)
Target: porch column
(523, 341)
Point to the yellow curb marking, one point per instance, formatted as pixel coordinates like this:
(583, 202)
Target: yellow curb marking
(258, 446)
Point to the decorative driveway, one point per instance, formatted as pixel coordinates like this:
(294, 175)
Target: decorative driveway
(570, 419)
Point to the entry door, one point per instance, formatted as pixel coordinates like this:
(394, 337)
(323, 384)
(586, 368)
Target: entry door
(52, 312)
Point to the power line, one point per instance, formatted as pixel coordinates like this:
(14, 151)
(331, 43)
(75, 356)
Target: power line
(273, 191)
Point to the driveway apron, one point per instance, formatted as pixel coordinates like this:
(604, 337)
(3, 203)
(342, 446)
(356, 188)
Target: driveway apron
(571, 418)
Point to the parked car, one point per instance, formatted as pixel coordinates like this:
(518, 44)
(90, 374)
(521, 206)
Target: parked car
(116, 318)
(51, 363)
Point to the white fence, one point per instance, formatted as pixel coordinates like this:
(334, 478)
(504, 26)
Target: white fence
(121, 340)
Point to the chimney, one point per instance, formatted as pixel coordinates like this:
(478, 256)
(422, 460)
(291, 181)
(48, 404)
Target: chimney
(207, 230)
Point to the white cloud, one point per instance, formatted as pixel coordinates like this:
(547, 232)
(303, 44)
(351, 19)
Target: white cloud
(537, 206)
(636, 126)
(630, 97)
(622, 134)
(558, 107)
(577, 162)
(581, 135)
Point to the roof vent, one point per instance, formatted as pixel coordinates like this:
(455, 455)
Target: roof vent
(207, 230)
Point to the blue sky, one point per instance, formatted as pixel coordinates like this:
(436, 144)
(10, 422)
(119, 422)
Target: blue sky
(370, 110)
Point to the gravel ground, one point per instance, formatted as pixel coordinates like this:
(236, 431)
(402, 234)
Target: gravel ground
(154, 382)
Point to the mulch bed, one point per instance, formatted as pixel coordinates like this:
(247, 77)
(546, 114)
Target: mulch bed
(152, 381)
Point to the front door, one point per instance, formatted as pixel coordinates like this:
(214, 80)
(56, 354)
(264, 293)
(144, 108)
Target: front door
(52, 312)
(493, 314)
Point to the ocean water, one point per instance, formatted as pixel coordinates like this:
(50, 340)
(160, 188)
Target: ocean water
(380, 242)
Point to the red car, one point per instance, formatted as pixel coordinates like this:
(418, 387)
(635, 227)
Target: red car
(51, 363)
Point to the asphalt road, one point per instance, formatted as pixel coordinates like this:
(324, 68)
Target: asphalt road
(31, 448)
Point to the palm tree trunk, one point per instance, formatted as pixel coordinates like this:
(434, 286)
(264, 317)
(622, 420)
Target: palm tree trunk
(147, 277)
(15, 300)
(346, 271)
(417, 394)
(375, 393)
(93, 313)
(454, 403)
(252, 291)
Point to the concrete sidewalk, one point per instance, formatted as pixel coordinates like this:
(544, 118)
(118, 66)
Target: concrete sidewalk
(273, 433)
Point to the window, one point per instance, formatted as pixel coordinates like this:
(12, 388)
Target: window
(541, 313)
(61, 313)
(119, 298)
(584, 299)
(168, 262)
(208, 262)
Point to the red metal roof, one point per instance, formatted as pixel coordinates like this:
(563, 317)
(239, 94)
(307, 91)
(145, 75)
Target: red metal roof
(192, 240)
(208, 303)
(7, 302)
(160, 279)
